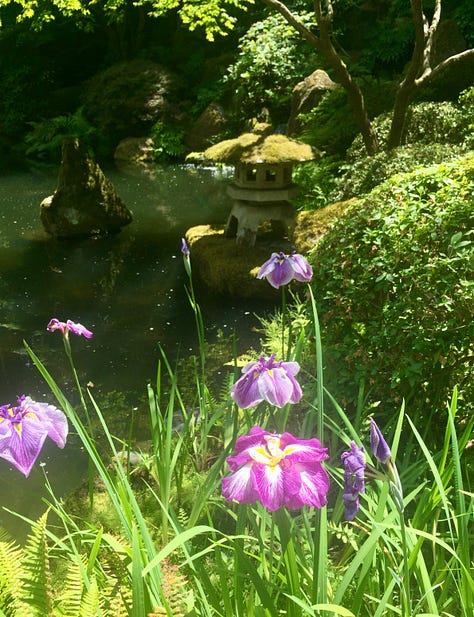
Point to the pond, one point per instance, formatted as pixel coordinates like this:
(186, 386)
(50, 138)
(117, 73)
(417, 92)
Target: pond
(129, 289)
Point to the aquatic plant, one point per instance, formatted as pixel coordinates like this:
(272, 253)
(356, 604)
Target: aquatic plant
(268, 538)
(24, 428)
(277, 470)
(267, 380)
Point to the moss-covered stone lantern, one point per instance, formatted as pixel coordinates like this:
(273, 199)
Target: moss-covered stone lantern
(262, 185)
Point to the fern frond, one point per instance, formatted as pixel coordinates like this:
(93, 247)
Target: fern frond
(10, 573)
(35, 576)
(69, 600)
(90, 600)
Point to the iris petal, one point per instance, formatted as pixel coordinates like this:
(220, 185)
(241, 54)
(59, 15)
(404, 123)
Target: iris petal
(239, 486)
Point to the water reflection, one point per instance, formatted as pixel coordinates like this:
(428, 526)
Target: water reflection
(128, 289)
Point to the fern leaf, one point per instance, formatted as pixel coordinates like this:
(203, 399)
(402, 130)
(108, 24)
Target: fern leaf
(35, 577)
(70, 599)
(90, 600)
(10, 571)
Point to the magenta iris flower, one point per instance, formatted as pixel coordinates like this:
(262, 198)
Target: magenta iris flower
(378, 444)
(354, 479)
(280, 269)
(24, 428)
(277, 470)
(267, 380)
(69, 326)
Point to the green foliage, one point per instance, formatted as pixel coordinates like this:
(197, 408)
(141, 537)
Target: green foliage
(168, 140)
(317, 181)
(272, 59)
(359, 177)
(331, 126)
(45, 139)
(426, 123)
(394, 280)
(435, 132)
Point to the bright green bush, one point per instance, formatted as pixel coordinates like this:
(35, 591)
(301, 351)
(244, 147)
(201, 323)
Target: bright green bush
(272, 59)
(394, 279)
(435, 132)
(359, 177)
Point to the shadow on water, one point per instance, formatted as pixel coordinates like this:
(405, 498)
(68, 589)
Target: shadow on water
(128, 288)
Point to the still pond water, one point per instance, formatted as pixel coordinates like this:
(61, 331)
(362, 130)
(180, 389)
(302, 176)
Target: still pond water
(128, 289)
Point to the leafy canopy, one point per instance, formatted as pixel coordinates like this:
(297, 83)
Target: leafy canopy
(212, 15)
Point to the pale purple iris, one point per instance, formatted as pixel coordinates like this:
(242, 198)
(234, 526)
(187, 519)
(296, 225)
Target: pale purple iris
(277, 470)
(267, 380)
(280, 269)
(24, 428)
(354, 479)
(69, 326)
(378, 444)
(184, 247)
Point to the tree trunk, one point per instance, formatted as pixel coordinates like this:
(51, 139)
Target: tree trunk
(324, 45)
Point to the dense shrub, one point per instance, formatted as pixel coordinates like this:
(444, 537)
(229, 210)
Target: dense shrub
(394, 278)
(363, 175)
(435, 132)
(426, 123)
(272, 59)
(331, 125)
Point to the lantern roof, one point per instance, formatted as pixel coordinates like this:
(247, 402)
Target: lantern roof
(260, 146)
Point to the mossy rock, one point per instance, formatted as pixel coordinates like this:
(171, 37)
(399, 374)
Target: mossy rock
(227, 268)
(312, 225)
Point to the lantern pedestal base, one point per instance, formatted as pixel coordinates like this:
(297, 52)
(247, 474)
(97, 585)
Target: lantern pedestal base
(246, 217)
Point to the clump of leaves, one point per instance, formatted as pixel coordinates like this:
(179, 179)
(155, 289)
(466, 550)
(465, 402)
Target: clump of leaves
(272, 59)
(168, 140)
(394, 281)
(46, 137)
(435, 132)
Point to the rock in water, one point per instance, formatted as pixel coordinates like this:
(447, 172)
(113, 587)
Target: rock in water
(85, 202)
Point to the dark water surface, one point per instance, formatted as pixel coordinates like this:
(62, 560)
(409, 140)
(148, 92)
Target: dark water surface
(129, 289)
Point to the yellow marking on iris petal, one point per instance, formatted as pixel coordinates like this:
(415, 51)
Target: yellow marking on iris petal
(11, 412)
(31, 414)
(270, 454)
(18, 427)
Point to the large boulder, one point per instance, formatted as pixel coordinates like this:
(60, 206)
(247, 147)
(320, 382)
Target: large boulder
(307, 94)
(209, 124)
(85, 202)
(135, 151)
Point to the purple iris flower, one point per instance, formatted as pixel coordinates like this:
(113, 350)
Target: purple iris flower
(24, 428)
(354, 479)
(277, 470)
(267, 380)
(378, 444)
(280, 269)
(184, 248)
(69, 326)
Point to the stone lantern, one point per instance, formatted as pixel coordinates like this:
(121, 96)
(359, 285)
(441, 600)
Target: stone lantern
(262, 184)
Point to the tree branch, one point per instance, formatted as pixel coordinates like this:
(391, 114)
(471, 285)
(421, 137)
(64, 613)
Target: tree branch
(439, 68)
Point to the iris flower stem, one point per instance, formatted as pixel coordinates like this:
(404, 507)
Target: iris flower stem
(90, 466)
(283, 321)
(201, 381)
(283, 522)
(406, 595)
(319, 590)
(67, 348)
